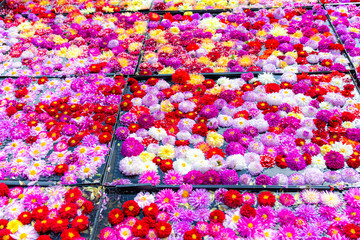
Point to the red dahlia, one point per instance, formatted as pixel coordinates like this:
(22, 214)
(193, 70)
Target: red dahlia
(152, 81)
(271, 44)
(105, 137)
(87, 207)
(217, 216)
(150, 221)
(131, 208)
(61, 169)
(70, 234)
(300, 142)
(81, 223)
(307, 158)
(209, 83)
(116, 216)
(247, 211)
(154, 16)
(200, 129)
(44, 237)
(140, 228)
(151, 211)
(352, 231)
(5, 234)
(42, 80)
(163, 229)
(68, 211)
(353, 162)
(40, 213)
(126, 105)
(25, 218)
(166, 165)
(4, 190)
(58, 225)
(43, 226)
(192, 235)
(233, 199)
(180, 76)
(73, 195)
(272, 88)
(266, 198)
(262, 105)
(3, 223)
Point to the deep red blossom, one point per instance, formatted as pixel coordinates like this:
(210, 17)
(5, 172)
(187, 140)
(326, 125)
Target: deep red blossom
(353, 162)
(192, 235)
(233, 199)
(327, 63)
(68, 211)
(163, 229)
(166, 165)
(4, 190)
(70, 234)
(352, 231)
(200, 129)
(131, 208)
(247, 211)
(271, 44)
(140, 228)
(5, 234)
(61, 169)
(58, 225)
(87, 207)
(180, 76)
(217, 216)
(266, 198)
(151, 210)
(116, 216)
(43, 226)
(272, 88)
(80, 223)
(40, 213)
(105, 137)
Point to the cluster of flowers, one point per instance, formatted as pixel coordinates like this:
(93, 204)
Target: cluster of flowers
(35, 213)
(338, 1)
(198, 131)
(345, 18)
(68, 6)
(46, 44)
(273, 40)
(167, 5)
(195, 214)
(57, 126)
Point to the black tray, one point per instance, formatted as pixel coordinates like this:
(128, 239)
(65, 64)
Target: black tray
(113, 172)
(218, 11)
(96, 180)
(116, 196)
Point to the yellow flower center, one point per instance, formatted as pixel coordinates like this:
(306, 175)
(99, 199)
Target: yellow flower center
(236, 218)
(23, 236)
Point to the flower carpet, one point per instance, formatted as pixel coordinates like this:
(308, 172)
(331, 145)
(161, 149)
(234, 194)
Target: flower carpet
(179, 120)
